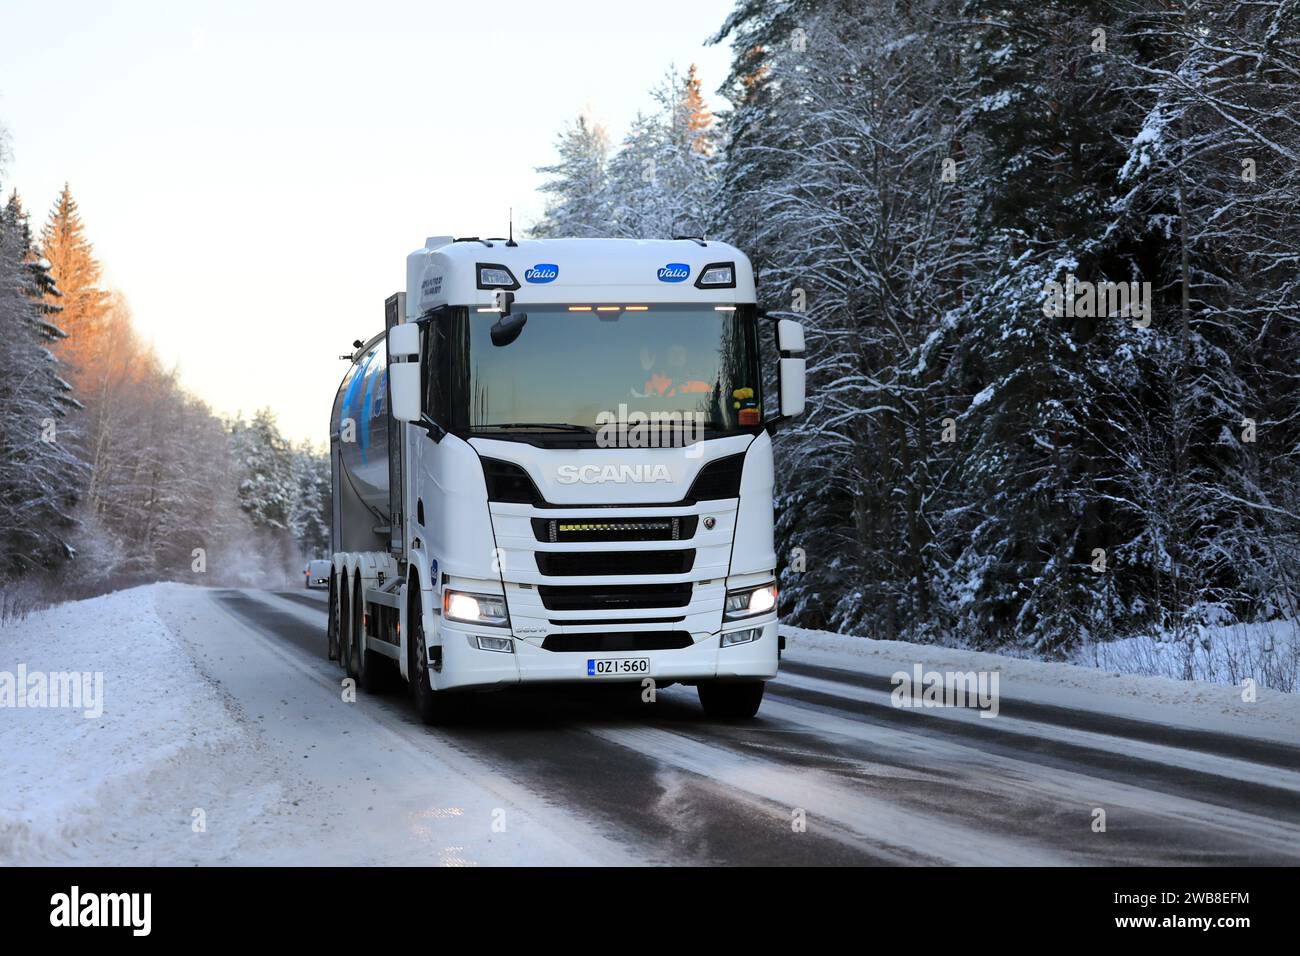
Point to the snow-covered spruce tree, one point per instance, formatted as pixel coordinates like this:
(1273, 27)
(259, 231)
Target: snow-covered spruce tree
(576, 184)
(1213, 178)
(662, 179)
(309, 516)
(1103, 477)
(266, 488)
(1043, 122)
(841, 177)
(267, 491)
(40, 475)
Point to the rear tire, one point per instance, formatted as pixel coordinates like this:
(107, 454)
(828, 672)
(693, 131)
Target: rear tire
(731, 700)
(355, 624)
(348, 622)
(370, 668)
(332, 629)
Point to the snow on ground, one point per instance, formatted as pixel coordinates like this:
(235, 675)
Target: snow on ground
(1220, 707)
(1267, 653)
(65, 771)
(217, 745)
(203, 710)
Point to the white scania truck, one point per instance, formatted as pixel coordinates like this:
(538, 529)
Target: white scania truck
(552, 466)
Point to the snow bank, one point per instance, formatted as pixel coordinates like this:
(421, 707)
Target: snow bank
(62, 767)
(1195, 704)
(1268, 654)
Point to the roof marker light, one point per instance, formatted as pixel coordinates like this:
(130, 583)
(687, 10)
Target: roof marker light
(579, 308)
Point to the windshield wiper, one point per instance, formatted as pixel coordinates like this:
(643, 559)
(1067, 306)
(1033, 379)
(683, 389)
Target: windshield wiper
(558, 426)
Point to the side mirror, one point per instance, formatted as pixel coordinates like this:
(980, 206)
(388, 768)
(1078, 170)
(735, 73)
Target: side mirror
(507, 328)
(789, 337)
(404, 372)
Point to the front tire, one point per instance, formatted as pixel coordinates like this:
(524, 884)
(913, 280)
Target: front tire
(434, 707)
(731, 700)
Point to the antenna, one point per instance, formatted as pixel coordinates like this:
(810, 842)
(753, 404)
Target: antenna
(511, 233)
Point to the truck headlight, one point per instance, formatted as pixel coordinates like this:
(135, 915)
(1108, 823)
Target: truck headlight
(474, 608)
(750, 601)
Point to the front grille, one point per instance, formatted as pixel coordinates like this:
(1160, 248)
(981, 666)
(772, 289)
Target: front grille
(560, 563)
(597, 597)
(618, 641)
(557, 530)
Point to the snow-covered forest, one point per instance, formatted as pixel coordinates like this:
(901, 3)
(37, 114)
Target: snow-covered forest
(990, 458)
(110, 472)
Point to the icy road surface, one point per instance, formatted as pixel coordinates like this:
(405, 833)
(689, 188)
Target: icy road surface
(225, 739)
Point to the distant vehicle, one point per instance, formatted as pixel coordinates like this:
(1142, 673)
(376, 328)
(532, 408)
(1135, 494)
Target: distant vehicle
(552, 466)
(318, 573)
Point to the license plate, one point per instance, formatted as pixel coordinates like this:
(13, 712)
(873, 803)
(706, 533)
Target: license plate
(618, 667)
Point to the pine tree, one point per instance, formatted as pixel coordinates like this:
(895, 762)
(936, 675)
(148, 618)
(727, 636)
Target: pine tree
(576, 184)
(1213, 183)
(266, 487)
(39, 472)
(81, 300)
(309, 517)
(699, 119)
(663, 179)
(835, 173)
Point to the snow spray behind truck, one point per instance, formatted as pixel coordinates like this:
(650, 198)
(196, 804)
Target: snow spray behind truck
(552, 466)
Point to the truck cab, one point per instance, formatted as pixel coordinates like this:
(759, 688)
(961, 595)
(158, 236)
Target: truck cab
(564, 472)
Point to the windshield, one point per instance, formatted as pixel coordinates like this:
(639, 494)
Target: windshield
(575, 369)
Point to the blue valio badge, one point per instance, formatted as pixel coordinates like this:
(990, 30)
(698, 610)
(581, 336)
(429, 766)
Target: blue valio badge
(674, 272)
(542, 272)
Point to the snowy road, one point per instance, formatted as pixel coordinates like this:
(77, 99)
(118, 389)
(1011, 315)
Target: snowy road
(555, 776)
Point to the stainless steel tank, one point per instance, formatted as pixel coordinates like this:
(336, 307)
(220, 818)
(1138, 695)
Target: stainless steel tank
(361, 415)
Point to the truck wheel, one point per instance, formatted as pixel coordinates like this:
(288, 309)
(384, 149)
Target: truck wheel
(357, 632)
(351, 630)
(432, 706)
(344, 618)
(370, 668)
(332, 629)
(731, 700)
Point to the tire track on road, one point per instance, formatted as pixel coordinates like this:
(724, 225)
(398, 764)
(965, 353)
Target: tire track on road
(1219, 744)
(669, 815)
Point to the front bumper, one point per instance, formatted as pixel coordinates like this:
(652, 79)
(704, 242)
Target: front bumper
(465, 666)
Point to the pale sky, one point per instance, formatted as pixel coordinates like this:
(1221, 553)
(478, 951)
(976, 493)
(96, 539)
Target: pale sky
(253, 174)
